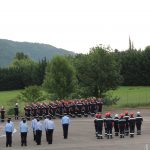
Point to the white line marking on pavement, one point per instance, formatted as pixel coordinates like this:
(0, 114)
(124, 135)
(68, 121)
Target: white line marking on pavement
(146, 147)
(3, 135)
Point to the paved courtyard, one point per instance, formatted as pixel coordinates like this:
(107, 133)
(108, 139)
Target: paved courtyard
(82, 137)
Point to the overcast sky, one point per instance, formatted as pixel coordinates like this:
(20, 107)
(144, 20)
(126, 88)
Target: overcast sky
(77, 25)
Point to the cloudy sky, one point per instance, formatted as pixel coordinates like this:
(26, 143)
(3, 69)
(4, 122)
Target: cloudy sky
(77, 25)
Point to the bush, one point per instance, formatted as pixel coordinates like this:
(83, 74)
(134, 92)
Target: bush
(109, 100)
(32, 94)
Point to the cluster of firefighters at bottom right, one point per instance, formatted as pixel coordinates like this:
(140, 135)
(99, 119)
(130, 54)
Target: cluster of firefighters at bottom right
(123, 125)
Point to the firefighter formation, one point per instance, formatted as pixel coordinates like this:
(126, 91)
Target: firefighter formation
(124, 124)
(73, 108)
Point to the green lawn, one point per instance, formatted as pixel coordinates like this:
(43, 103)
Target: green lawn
(132, 96)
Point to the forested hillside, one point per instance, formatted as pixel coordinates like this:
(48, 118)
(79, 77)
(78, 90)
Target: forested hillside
(36, 51)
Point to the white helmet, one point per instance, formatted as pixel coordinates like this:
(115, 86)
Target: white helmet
(16, 103)
(138, 113)
(116, 115)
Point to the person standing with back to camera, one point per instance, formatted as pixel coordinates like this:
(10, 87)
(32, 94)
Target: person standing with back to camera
(65, 121)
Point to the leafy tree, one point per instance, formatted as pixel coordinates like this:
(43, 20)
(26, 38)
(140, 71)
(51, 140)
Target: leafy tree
(98, 71)
(60, 77)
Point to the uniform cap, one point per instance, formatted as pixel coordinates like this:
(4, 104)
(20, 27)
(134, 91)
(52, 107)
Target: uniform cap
(138, 113)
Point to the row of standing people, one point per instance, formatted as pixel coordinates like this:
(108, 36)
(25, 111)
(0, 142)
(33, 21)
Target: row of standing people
(37, 127)
(83, 107)
(123, 125)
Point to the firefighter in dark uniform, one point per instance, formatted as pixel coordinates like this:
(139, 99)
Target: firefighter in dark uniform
(122, 123)
(139, 120)
(126, 117)
(16, 111)
(34, 110)
(99, 104)
(79, 109)
(72, 109)
(92, 108)
(99, 126)
(86, 108)
(95, 124)
(27, 112)
(109, 125)
(132, 124)
(116, 124)
(2, 114)
(105, 124)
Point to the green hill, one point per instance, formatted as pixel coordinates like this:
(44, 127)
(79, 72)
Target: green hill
(36, 51)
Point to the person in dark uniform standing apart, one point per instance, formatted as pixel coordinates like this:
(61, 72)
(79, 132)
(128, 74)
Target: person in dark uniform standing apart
(139, 120)
(9, 128)
(2, 114)
(16, 111)
(23, 132)
(65, 121)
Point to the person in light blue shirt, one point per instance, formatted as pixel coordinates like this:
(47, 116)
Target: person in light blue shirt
(9, 128)
(38, 129)
(23, 131)
(50, 126)
(65, 121)
(33, 124)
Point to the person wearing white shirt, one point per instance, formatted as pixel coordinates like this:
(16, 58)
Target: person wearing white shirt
(65, 121)
(38, 129)
(23, 131)
(50, 126)
(33, 125)
(9, 128)
(45, 123)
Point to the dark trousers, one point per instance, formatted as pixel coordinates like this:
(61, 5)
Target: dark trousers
(46, 132)
(2, 117)
(138, 126)
(122, 131)
(38, 137)
(65, 130)
(16, 115)
(23, 138)
(50, 136)
(132, 128)
(99, 130)
(34, 135)
(8, 139)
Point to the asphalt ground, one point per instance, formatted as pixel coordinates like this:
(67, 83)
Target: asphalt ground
(81, 137)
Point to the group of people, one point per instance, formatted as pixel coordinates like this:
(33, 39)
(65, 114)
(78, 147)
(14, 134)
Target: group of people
(123, 125)
(38, 127)
(73, 108)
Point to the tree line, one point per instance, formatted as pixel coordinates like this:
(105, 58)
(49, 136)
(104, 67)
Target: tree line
(91, 74)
